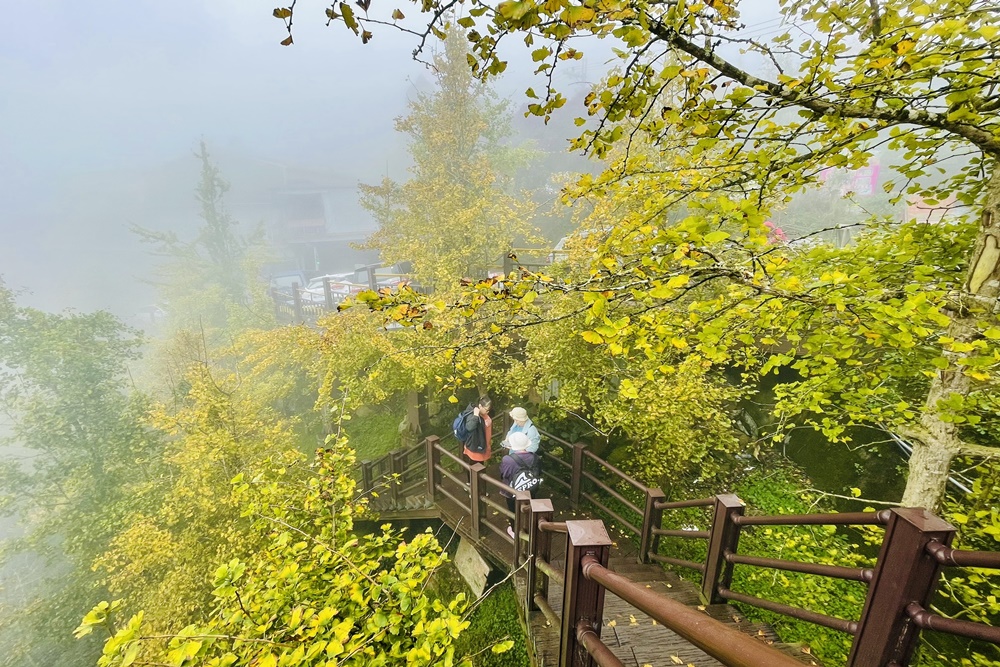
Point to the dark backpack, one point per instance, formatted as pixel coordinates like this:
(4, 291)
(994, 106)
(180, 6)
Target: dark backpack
(528, 477)
(458, 426)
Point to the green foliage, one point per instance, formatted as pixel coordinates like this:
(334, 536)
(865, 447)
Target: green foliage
(63, 380)
(495, 636)
(774, 486)
(916, 77)
(375, 433)
(183, 514)
(970, 593)
(313, 590)
(210, 283)
(700, 148)
(777, 490)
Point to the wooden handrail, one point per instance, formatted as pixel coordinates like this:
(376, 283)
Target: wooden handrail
(962, 557)
(879, 518)
(850, 627)
(452, 456)
(614, 494)
(724, 643)
(591, 642)
(915, 546)
(554, 437)
(618, 473)
(928, 620)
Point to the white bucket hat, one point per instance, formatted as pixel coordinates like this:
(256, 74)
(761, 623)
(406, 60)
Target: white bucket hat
(519, 414)
(518, 442)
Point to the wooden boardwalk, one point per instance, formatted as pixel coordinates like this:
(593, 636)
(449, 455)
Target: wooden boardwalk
(635, 638)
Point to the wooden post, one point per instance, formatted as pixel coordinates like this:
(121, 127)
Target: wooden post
(582, 599)
(395, 469)
(433, 459)
(905, 573)
(651, 518)
(724, 536)
(328, 294)
(539, 547)
(277, 304)
(366, 476)
(522, 499)
(576, 477)
(475, 506)
(423, 417)
(297, 301)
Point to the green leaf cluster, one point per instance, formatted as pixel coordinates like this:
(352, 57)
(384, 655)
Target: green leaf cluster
(313, 591)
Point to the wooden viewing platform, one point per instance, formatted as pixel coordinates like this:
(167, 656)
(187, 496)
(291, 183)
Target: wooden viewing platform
(625, 610)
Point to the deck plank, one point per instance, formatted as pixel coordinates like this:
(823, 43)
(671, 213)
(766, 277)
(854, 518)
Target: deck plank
(635, 638)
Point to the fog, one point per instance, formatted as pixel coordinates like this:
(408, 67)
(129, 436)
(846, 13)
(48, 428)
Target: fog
(102, 106)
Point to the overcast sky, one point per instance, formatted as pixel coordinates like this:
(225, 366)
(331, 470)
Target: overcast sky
(123, 87)
(127, 85)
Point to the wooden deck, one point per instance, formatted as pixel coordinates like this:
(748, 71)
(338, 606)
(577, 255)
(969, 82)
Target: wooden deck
(639, 641)
(635, 638)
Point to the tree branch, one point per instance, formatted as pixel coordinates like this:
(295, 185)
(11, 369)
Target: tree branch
(984, 139)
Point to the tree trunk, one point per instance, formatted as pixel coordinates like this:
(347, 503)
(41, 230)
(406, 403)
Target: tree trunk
(938, 442)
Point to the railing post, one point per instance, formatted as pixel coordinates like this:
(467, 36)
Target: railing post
(582, 599)
(522, 499)
(297, 303)
(905, 573)
(724, 536)
(433, 459)
(539, 547)
(328, 294)
(475, 507)
(576, 478)
(277, 304)
(395, 469)
(651, 518)
(366, 477)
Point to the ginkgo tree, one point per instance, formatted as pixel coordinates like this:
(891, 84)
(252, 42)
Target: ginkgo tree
(458, 214)
(747, 123)
(313, 592)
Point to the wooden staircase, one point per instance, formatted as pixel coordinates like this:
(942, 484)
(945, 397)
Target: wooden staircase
(635, 638)
(587, 500)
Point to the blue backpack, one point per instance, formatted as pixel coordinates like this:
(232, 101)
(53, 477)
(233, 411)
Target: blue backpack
(458, 426)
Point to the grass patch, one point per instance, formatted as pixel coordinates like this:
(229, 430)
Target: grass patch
(374, 434)
(495, 620)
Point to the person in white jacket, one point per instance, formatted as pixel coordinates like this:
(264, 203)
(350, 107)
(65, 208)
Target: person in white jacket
(523, 425)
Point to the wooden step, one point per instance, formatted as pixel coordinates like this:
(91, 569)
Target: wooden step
(635, 638)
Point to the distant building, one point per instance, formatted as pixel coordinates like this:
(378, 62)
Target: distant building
(311, 216)
(318, 225)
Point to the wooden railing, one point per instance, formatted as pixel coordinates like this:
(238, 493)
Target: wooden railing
(913, 551)
(296, 304)
(915, 546)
